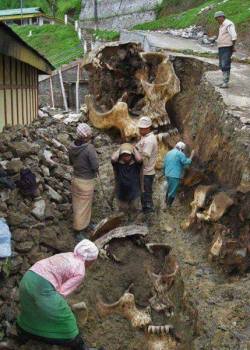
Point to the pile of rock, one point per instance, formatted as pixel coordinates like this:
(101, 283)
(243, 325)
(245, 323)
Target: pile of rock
(40, 226)
(192, 32)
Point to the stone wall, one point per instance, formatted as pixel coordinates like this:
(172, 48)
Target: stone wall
(117, 14)
(69, 78)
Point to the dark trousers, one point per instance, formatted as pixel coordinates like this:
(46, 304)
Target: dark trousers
(147, 196)
(225, 56)
(75, 344)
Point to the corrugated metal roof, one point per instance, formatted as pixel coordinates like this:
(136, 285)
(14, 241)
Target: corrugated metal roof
(12, 45)
(25, 11)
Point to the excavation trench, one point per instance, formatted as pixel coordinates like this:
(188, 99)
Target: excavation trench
(110, 280)
(210, 302)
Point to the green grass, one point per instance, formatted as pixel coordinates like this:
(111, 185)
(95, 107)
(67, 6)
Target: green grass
(71, 7)
(106, 35)
(58, 43)
(237, 10)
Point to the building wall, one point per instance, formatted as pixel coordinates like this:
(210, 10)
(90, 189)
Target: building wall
(69, 76)
(117, 14)
(18, 92)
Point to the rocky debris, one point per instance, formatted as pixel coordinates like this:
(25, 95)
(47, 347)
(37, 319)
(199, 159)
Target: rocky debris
(193, 32)
(40, 226)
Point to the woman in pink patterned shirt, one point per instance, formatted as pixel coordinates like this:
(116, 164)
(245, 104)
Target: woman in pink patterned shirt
(45, 314)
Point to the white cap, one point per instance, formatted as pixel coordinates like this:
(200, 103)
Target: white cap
(144, 122)
(180, 145)
(219, 14)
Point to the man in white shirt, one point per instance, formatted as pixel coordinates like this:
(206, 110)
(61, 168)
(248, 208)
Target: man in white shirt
(226, 44)
(148, 148)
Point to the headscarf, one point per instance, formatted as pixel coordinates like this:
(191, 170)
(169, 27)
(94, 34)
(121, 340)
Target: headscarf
(83, 130)
(180, 145)
(86, 250)
(126, 148)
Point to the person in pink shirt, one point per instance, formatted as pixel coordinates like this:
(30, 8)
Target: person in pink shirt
(45, 314)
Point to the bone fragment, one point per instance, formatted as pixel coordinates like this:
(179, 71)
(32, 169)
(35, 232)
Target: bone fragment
(121, 232)
(220, 204)
(109, 223)
(125, 307)
(200, 196)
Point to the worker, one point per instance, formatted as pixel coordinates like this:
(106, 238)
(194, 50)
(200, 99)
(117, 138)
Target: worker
(226, 45)
(44, 313)
(83, 157)
(148, 147)
(174, 163)
(128, 172)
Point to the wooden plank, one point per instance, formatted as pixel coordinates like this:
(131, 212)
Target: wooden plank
(8, 107)
(2, 102)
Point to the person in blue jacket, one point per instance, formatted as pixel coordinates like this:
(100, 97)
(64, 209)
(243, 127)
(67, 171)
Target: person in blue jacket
(174, 163)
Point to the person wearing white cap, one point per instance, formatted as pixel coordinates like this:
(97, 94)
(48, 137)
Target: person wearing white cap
(83, 157)
(174, 163)
(226, 45)
(44, 312)
(148, 147)
(128, 172)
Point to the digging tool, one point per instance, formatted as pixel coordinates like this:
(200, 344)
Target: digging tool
(103, 192)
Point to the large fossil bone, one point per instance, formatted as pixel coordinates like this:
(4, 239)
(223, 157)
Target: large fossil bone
(118, 117)
(220, 204)
(125, 307)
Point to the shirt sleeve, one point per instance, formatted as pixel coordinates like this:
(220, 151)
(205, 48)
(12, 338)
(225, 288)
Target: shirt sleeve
(115, 156)
(147, 149)
(93, 158)
(185, 160)
(70, 285)
(232, 31)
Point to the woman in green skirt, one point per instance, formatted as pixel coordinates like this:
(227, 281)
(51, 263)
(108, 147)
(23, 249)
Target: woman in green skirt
(45, 314)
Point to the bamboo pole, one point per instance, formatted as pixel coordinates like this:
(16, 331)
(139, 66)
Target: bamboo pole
(63, 91)
(51, 92)
(77, 89)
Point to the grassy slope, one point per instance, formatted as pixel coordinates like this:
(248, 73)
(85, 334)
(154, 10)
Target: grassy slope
(237, 10)
(106, 35)
(72, 7)
(58, 43)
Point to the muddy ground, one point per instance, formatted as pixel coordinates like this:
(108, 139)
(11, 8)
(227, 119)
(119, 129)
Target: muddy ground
(214, 311)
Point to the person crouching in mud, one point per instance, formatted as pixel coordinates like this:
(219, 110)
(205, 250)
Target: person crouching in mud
(45, 314)
(83, 157)
(128, 172)
(174, 163)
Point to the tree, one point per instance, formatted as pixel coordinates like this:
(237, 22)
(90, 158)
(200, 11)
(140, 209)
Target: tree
(53, 5)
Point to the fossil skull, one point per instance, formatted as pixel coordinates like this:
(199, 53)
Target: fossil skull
(125, 82)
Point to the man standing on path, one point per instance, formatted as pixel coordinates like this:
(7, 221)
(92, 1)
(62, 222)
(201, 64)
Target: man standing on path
(174, 163)
(226, 44)
(148, 148)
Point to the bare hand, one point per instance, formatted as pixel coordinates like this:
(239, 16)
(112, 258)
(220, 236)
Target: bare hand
(192, 154)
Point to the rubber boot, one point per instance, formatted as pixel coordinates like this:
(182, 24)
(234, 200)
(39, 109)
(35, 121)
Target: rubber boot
(226, 78)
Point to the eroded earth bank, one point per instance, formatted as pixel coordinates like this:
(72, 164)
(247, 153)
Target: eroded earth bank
(177, 279)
